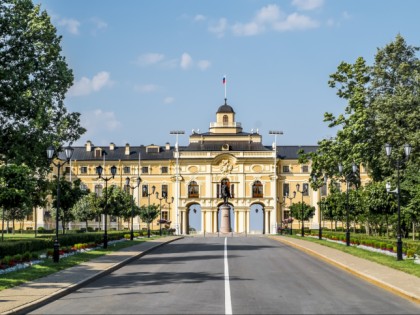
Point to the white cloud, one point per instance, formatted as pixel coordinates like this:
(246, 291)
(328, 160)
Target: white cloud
(295, 21)
(168, 100)
(150, 59)
(203, 64)
(219, 28)
(308, 4)
(99, 121)
(146, 88)
(98, 25)
(271, 17)
(186, 61)
(86, 86)
(71, 25)
(199, 17)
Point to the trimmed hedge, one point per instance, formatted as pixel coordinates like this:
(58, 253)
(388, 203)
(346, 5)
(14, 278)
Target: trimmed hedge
(14, 247)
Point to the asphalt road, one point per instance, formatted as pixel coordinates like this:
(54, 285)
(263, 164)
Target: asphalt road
(263, 277)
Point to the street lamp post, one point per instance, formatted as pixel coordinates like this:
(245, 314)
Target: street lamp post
(281, 203)
(146, 192)
(50, 153)
(275, 133)
(177, 133)
(127, 183)
(398, 163)
(347, 178)
(303, 191)
(314, 179)
(291, 198)
(164, 197)
(99, 170)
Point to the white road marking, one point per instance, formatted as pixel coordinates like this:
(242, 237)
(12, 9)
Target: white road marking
(228, 301)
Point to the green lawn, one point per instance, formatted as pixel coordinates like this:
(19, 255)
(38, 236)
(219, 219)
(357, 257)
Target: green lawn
(16, 278)
(406, 265)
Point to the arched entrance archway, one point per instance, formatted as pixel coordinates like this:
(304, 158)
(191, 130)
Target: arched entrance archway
(257, 217)
(194, 219)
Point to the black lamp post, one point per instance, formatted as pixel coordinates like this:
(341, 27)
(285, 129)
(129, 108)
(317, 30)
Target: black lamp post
(398, 163)
(99, 170)
(303, 191)
(348, 179)
(145, 192)
(160, 209)
(127, 183)
(314, 179)
(50, 153)
(290, 198)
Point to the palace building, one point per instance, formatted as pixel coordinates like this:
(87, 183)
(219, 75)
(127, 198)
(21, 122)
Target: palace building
(261, 179)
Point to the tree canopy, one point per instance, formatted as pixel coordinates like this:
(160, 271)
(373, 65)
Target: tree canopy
(34, 78)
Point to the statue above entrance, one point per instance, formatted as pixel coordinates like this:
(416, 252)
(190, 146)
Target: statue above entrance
(225, 193)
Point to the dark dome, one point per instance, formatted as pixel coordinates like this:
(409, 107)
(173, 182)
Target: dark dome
(225, 108)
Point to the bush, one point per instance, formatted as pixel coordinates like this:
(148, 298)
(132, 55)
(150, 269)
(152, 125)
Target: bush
(410, 253)
(27, 256)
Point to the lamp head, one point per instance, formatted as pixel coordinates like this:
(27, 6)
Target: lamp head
(157, 195)
(127, 181)
(354, 167)
(69, 152)
(99, 170)
(138, 181)
(294, 194)
(407, 150)
(50, 152)
(388, 149)
(340, 168)
(297, 187)
(113, 170)
(388, 187)
(153, 189)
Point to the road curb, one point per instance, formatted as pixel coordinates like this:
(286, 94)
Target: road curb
(24, 309)
(364, 276)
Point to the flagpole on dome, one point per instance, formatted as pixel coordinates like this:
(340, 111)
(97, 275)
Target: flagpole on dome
(224, 83)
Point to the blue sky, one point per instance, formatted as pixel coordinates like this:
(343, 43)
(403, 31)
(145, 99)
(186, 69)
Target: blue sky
(144, 68)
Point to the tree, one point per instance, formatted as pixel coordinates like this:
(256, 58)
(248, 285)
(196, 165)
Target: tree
(148, 214)
(86, 208)
(34, 79)
(17, 182)
(119, 202)
(70, 193)
(382, 107)
(296, 211)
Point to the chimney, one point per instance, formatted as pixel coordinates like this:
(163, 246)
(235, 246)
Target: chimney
(112, 146)
(88, 146)
(167, 146)
(127, 149)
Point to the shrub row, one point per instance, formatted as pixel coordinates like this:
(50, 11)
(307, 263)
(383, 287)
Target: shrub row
(14, 247)
(410, 247)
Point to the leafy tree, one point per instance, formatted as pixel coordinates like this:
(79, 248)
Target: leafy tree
(119, 202)
(148, 214)
(17, 182)
(70, 193)
(86, 208)
(34, 79)
(296, 211)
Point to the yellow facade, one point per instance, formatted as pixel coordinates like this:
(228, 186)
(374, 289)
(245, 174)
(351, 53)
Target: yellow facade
(223, 153)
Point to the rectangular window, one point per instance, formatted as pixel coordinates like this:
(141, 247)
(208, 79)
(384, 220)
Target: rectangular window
(305, 169)
(165, 215)
(286, 169)
(67, 170)
(164, 170)
(83, 170)
(30, 217)
(144, 190)
(232, 190)
(113, 219)
(286, 214)
(145, 169)
(324, 190)
(164, 191)
(98, 190)
(286, 190)
(126, 170)
(306, 189)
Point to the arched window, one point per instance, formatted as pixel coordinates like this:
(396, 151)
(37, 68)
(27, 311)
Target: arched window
(257, 190)
(98, 190)
(193, 190)
(225, 120)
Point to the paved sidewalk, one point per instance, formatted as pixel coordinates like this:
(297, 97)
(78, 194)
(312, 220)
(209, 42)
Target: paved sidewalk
(29, 296)
(401, 283)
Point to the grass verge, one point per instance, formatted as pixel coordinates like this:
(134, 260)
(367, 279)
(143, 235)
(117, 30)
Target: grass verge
(406, 265)
(48, 267)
